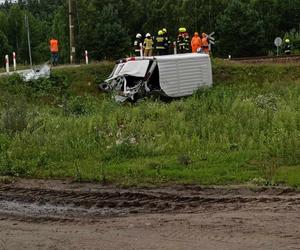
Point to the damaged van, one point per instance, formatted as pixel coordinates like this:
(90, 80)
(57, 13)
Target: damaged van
(172, 76)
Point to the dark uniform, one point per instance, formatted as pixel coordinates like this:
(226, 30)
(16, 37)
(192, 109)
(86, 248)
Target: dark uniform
(287, 47)
(165, 33)
(183, 43)
(161, 45)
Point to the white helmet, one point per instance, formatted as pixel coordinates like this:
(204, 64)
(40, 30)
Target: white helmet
(148, 35)
(138, 35)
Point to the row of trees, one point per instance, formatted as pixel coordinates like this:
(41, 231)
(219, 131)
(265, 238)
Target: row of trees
(106, 28)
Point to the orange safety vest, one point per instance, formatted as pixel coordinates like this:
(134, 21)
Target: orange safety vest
(205, 44)
(54, 45)
(196, 43)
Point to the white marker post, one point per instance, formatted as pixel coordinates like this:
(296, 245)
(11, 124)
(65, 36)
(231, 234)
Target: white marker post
(141, 50)
(86, 57)
(175, 48)
(15, 61)
(7, 63)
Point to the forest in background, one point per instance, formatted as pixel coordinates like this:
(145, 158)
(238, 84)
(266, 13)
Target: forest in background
(107, 28)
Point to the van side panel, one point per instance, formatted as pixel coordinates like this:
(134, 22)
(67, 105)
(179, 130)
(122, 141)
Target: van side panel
(182, 75)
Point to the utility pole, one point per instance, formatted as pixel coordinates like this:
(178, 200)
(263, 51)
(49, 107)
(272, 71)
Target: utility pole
(196, 15)
(72, 37)
(209, 15)
(28, 34)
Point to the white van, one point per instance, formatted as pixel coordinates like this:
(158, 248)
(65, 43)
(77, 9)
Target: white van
(171, 76)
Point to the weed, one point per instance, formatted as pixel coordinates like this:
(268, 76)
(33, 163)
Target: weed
(184, 160)
(14, 117)
(103, 175)
(78, 175)
(270, 172)
(6, 179)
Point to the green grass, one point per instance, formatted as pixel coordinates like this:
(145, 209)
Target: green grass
(246, 129)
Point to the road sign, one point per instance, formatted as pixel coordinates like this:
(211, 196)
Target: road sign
(278, 41)
(211, 38)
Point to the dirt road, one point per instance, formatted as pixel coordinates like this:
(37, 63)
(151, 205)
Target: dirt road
(37, 214)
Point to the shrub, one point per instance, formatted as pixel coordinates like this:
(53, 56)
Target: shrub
(14, 117)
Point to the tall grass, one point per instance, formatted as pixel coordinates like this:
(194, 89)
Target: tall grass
(241, 130)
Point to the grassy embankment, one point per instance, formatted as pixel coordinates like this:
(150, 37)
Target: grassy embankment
(246, 129)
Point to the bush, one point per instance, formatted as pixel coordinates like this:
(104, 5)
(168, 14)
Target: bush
(14, 117)
(57, 84)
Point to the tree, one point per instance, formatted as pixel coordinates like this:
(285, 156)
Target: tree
(288, 12)
(3, 22)
(240, 31)
(109, 38)
(16, 31)
(5, 49)
(60, 31)
(105, 27)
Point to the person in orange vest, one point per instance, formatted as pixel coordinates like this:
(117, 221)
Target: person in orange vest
(196, 43)
(205, 43)
(54, 51)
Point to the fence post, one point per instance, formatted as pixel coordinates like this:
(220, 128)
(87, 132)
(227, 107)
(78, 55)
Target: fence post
(175, 48)
(86, 57)
(15, 61)
(141, 50)
(7, 63)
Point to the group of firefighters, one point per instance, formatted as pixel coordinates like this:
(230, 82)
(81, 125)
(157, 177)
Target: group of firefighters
(161, 45)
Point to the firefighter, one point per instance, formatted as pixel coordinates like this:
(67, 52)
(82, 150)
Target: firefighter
(167, 39)
(196, 43)
(161, 43)
(205, 43)
(148, 45)
(137, 44)
(183, 41)
(53, 44)
(287, 47)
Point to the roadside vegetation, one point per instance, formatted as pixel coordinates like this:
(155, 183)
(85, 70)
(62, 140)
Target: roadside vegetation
(244, 130)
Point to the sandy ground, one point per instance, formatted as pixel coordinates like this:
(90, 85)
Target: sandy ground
(57, 215)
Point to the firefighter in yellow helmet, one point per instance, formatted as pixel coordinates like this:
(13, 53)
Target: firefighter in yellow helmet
(161, 43)
(287, 46)
(167, 39)
(183, 41)
(148, 45)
